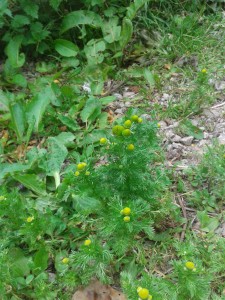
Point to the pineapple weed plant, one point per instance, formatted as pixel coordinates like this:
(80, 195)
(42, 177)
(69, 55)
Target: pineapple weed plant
(109, 218)
(112, 214)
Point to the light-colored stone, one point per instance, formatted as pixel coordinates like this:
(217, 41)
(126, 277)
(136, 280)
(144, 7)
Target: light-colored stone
(221, 138)
(176, 138)
(187, 141)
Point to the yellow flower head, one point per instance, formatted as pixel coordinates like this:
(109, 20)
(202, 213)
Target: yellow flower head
(30, 219)
(81, 166)
(143, 294)
(130, 147)
(56, 81)
(158, 125)
(140, 120)
(87, 173)
(127, 123)
(204, 71)
(126, 219)
(190, 265)
(134, 118)
(77, 173)
(126, 132)
(65, 260)
(87, 242)
(103, 141)
(126, 211)
(117, 130)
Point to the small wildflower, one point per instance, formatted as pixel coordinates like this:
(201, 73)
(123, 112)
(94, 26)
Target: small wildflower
(126, 132)
(81, 166)
(158, 125)
(126, 211)
(87, 242)
(134, 118)
(143, 294)
(2, 198)
(65, 260)
(56, 81)
(126, 219)
(103, 141)
(204, 71)
(117, 130)
(87, 173)
(130, 147)
(127, 123)
(30, 219)
(190, 265)
(77, 173)
(140, 120)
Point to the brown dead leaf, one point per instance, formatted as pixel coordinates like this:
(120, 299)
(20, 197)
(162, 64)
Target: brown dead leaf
(135, 89)
(167, 66)
(4, 137)
(111, 116)
(33, 142)
(98, 291)
(20, 151)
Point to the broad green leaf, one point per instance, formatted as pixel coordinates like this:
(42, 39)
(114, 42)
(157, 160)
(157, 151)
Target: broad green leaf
(30, 8)
(31, 124)
(80, 17)
(69, 122)
(57, 154)
(111, 30)
(92, 107)
(188, 128)
(126, 33)
(17, 119)
(208, 224)
(38, 105)
(4, 101)
(66, 48)
(38, 32)
(40, 260)
(19, 263)
(149, 77)
(6, 169)
(55, 4)
(107, 100)
(103, 120)
(85, 204)
(93, 51)
(65, 138)
(20, 21)
(32, 182)
(19, 80)
(12, 51)
(70, 62)
(134, 7)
